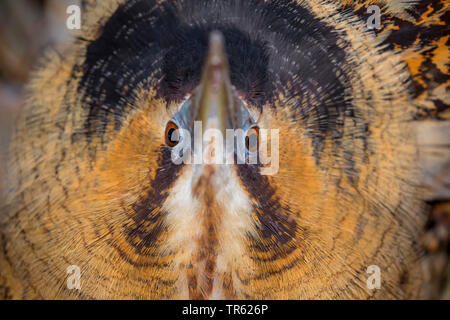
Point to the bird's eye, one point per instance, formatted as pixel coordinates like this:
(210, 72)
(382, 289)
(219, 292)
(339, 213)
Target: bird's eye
(252, 139)
(172, 134)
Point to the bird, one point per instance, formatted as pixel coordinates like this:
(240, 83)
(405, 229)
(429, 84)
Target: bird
(103, 175)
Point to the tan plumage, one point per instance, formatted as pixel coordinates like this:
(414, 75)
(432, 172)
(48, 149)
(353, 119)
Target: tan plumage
(91, 184)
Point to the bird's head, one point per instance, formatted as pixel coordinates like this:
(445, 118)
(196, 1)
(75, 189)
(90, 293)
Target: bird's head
(213, 149)
(199, 178)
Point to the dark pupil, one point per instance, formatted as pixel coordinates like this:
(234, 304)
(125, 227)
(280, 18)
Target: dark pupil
(173, 135)
(252, 140)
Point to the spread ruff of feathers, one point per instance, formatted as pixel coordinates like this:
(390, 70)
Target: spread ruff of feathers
(91, 182)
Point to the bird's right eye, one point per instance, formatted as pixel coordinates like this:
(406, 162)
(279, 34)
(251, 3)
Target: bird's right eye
(172, 134)
(252, 139)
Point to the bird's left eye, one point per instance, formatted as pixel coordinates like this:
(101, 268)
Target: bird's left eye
(252, 139)
(172, 134)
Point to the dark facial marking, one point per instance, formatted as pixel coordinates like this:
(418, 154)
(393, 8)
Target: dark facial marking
(147, 215)
(277, 228)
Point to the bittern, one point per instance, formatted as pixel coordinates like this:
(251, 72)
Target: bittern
(92, 180)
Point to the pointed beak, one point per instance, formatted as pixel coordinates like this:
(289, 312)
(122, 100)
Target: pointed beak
(214, 99)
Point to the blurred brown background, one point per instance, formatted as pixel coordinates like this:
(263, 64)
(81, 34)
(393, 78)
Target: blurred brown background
(27, 27)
